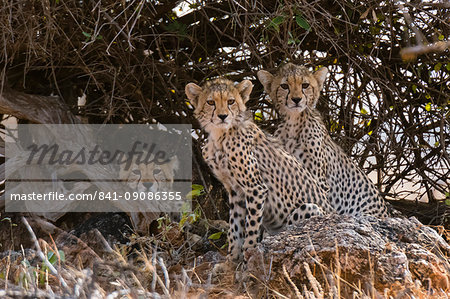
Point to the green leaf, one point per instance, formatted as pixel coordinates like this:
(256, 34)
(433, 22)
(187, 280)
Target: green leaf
(197, 187)
(258, 116)
(182, 221)
(88, 35)
(62, 256)
(414, 88)
(441, 37)
(193, 194)
(276, 22)
(363, 111)
(161, 221)
(292, 40)
(447, 202)
(52, 258)
(428, 107)
(448, 67)
(302, 22)
(177, 27)
(438, 66)
(197, 190)
(215, 236)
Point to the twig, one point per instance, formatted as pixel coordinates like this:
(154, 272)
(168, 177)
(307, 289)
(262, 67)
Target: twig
(317, 288)
(297, 292)
(166, 275)
(122, 29)
(419, 36)
(43, 257)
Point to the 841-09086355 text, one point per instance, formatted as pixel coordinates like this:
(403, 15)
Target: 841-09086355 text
(97, 195)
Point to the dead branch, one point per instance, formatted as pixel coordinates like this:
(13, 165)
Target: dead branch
(35, 108)
(411, 53)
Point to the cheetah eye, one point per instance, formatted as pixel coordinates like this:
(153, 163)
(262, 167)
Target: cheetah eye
(211, 102)
(231, 101)
(156, 171)
(305, 85)
(284, 86)
(136, 171)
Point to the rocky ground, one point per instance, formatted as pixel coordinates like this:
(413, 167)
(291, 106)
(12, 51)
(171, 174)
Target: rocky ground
(343, 255)
(324, 257)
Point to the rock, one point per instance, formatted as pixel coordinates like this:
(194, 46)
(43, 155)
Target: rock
(114, 227)
(354, 255)
(93, 240)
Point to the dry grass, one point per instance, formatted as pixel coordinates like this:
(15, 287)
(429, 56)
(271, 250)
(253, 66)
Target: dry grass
(164, 267)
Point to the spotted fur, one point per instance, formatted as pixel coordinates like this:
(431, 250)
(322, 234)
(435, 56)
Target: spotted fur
(266, 185)
(294, 92)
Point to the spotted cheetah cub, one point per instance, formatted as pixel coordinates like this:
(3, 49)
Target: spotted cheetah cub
(294, 92)
(267, 187)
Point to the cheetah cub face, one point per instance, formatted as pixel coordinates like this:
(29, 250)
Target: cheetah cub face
(219, 104)
(293, 88)
(149, 177)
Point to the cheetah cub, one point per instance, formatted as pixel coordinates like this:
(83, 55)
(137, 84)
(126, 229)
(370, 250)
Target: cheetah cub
(294, 92)
(267, 187)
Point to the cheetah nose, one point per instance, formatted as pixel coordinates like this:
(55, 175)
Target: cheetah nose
(296, 100)
(147, 185)
(222, 116)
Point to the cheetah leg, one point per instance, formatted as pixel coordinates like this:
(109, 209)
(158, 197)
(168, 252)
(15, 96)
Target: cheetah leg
(255, 210)
(236, 232)
(252, 232)
(253, 189)
(305, 211)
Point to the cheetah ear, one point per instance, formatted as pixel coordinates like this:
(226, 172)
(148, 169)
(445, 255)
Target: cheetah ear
(245, 88)
(174, 163)
(266, 79)
(320, 76)
(192, 91)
